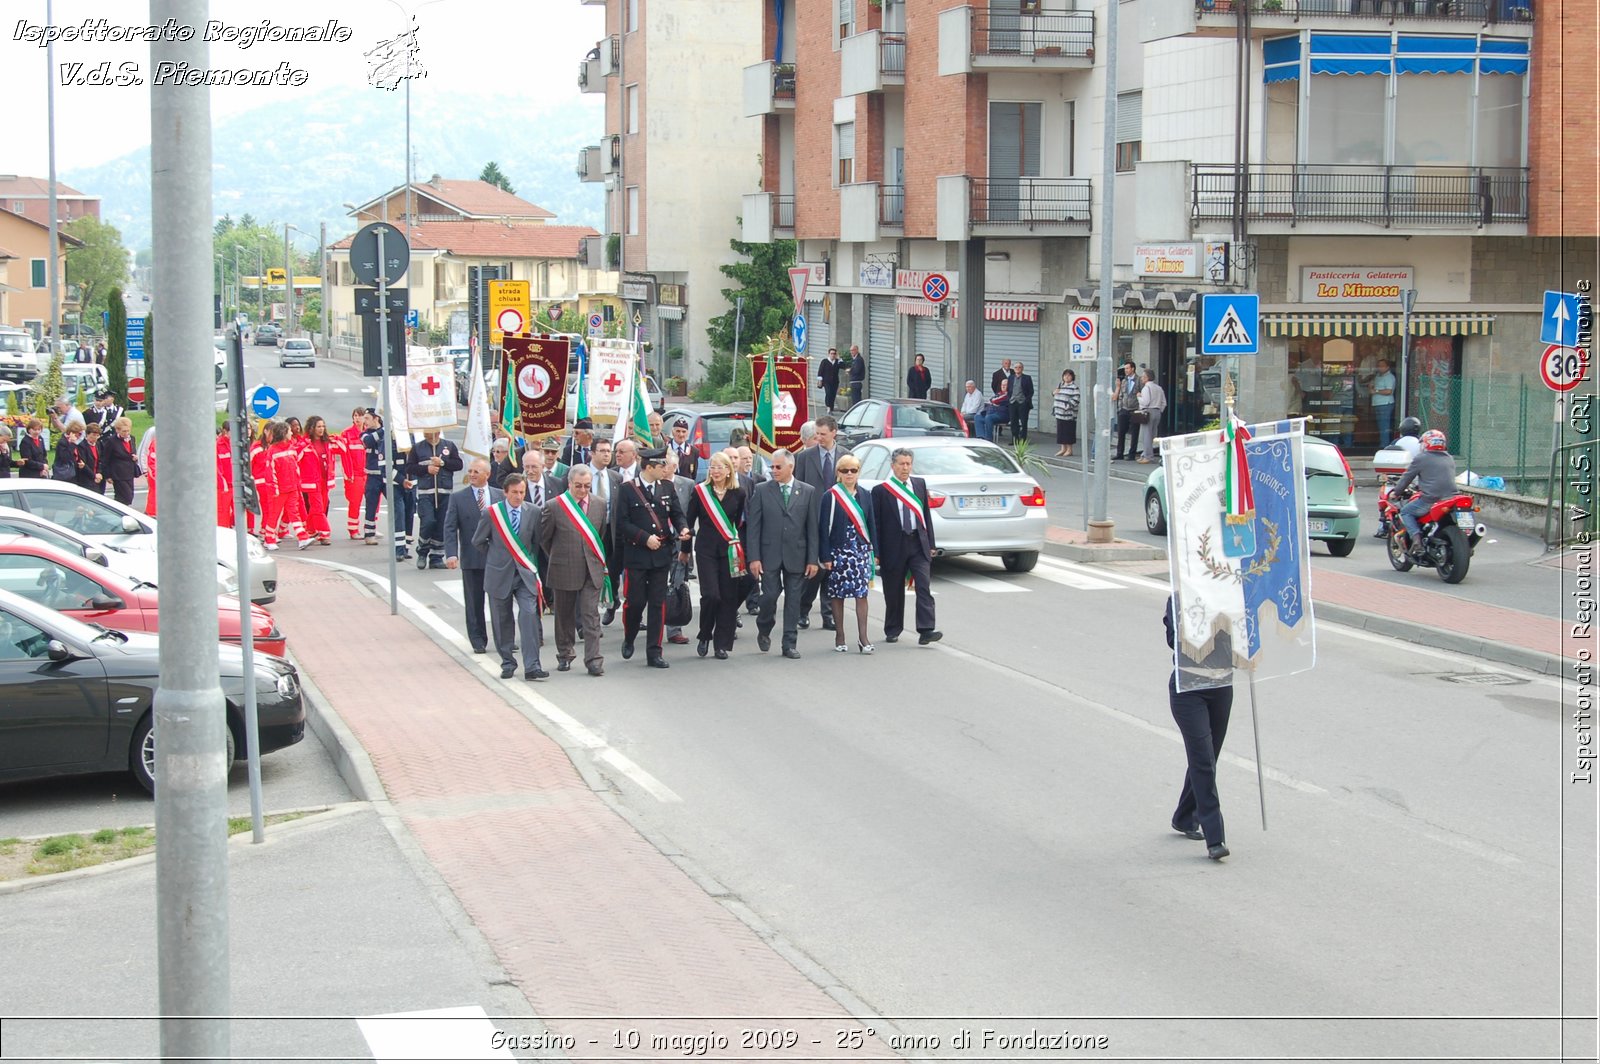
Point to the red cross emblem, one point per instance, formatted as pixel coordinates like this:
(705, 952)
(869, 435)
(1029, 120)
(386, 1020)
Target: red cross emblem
(430, 386)
(611, 382)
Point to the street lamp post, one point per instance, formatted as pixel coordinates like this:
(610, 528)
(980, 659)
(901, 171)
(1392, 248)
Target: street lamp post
(288, 277)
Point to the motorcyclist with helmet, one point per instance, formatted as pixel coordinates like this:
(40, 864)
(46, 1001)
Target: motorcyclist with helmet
(1410, 429)
(1434, 471)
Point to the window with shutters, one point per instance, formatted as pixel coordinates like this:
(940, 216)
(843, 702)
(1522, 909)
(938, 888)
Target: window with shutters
(844, 153)
(1130, 129)
(633, 16)
(846, 18)
(39, 280)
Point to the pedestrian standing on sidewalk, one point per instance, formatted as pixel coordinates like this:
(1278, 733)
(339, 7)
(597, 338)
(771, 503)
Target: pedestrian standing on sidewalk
(1383, 386)
(353, 461)
(1152, 405)
(373, 444)
(569, 536)
(283, 459)
(918, 379)
(508, 536)
(1127, 395)
(318, 456)
(121, 468)
(1064, 408)
(1201, 713)
(464, 511)
(858, 374)
(1021, 403)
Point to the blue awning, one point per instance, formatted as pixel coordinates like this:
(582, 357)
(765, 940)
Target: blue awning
(1385, 55)
(1434, 55)
(1345, 53)
(1503, 57)
(1281, 57)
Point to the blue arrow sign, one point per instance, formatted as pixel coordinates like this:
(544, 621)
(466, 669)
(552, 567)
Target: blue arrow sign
(800, 333)
(264, 401)
(1560, 322)
(1230, 324)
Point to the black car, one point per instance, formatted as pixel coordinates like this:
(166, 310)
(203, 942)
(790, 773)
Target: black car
(876, 419)
(76, 698)
(268, 336)
(710, 430)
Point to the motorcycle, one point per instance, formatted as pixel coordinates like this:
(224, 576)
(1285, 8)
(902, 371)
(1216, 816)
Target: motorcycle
(1450, 534)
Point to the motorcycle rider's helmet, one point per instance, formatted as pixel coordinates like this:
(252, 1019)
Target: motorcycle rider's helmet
(1433, 440)
(1410, 426)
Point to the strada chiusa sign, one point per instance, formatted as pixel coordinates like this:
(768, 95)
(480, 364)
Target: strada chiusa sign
(1355, 284)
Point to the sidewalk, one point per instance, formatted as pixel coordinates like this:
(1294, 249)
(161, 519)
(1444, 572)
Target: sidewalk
(594, 923)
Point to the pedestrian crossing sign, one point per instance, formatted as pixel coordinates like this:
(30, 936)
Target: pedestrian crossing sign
(1230, 324)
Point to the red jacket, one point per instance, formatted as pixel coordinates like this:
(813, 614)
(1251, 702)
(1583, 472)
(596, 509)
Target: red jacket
(352, 453)
(317, 463)
(261, 470)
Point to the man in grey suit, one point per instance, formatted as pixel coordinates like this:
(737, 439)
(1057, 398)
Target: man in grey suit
(511, 583)
(817, 466)
(781, 548)
(462, 515)
(576, 574)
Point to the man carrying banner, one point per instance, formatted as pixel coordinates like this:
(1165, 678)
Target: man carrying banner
(569, 534)
(432, 465)
(507, 536)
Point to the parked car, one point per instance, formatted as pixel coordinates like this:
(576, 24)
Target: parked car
(1332, 512)
(873, 419)
(44, 350)
(77, 698)
(122, 526)
(709, 430)
(268, 335)
(17, 361)
(92, 593)
(219, 357)
(133, 565)
(296, 351)
(90, 376)
(981, 500)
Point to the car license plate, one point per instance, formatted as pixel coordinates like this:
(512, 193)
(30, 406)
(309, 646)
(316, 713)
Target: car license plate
(980, 502)
(1317, 524)
(1464, 520)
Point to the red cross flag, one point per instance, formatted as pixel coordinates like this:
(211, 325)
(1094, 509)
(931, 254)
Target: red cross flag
(430, 398)
(610, 363)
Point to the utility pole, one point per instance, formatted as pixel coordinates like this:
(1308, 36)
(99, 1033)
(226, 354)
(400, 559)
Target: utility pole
(322, 266)
(190, 713)
(1101, 529)
(55, 229)
(288, 283)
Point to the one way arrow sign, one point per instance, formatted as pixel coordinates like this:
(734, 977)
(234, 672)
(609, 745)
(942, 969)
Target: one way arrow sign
(1560, 322)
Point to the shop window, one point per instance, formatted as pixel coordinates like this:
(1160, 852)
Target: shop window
(1330, 382)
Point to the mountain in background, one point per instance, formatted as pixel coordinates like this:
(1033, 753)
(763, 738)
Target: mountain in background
(299, 162)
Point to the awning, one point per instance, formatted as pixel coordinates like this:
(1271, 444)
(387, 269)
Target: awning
(667, 313)
(1011, 312)
(1153, 321)
(915, 308)
(1388, 324)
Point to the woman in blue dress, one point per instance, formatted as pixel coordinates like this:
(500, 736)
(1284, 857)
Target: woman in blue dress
(846, 551)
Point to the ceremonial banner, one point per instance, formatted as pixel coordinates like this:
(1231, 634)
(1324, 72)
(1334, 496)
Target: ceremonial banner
(609, 388)
(536, 366)
(399, 425)
(624, 419)
(789, 399)
(1241, 577)
(430, 397)
(479, 435)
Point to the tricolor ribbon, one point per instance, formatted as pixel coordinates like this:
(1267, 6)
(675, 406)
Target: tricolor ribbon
(846, 501)
(711, 506)
(591, 537)
(500, 514)
(1238, 496)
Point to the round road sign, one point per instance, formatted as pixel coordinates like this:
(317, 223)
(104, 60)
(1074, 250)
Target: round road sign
(1563, 368)
(509, 321)
(935, 288)
(264, 401)
(596, 322)
(364, 261)
(135, 389)
(1083, 328)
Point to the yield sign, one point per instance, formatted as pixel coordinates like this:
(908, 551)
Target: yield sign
(798, 275)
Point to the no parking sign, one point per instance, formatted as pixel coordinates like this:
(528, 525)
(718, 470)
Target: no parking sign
(1085, 344)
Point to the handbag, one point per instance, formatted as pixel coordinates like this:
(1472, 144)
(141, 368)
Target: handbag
(1140, 417)
(679, 605)
(63, 470)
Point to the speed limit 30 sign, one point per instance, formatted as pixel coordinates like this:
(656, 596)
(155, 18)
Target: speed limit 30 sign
(1564, 368)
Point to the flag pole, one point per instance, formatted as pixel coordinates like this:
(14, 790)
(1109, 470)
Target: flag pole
(1228, 393)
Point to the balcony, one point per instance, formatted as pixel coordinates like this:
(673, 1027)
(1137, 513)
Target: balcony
(589, 164)
(1359, 199)
(981, 40)
(610, 56)
(611, 155)
(768, 89)
(592, 253)
(589, 76)
(872, 62)
(1271, 18)
(1033, 206)
(767, 216)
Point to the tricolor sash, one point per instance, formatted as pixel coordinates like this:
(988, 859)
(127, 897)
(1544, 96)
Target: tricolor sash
(846, 501)
(904, 493)
(712, 507)
(500, 515)
(591, 538)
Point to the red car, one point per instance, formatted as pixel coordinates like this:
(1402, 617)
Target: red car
(93, 594)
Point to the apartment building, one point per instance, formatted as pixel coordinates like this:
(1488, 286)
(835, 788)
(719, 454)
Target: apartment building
(1328, 154)
(30, 197)
(675, 160)
(25, 243)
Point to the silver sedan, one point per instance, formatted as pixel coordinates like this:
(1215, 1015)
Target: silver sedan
(981, 500)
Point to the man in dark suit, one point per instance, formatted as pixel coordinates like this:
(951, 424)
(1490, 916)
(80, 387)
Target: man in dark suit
(818, 467)
(1001, 374)
(828, 377)
(1021, 401)
(781, 549)
(577, 450)
(905, 545)
(683, 455)
(543, 485)
(510, 577)
(858, 374)
(576, 573)
(649, 522)
(462, 515)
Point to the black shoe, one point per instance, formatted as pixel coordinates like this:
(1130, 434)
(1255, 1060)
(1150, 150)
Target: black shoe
(764, 641)
(422, 561)
(480, 650)
(436, 563)
(658, 663)
(805, 622)
(722, 655)
(597, 670)
(827, 624)
(1217, 852)
(563, 664)
(738, 622)
(536, 674)
(610, 615)
(929, 637)
(703, 648)
(1380, 534)
(891, 639)
(627, 649)
(507, 671)
(790, 652)
(1190, 832)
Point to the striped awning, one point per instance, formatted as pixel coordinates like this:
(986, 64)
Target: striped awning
(1153, 321)
(1011, 312)
(915, 308)
(1387, 324)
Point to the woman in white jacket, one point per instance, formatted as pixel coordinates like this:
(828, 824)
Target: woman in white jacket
(1152, 404)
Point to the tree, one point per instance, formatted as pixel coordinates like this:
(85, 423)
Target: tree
(150, 364)
(763, 281)
(493, 175)
(117, 344)
(310, 307)
(48, 387)
(101, 263)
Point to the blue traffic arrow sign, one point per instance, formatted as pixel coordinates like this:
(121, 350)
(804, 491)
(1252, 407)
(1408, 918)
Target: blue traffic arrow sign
(264, 401)
(1230, 324)
(1560, 322)
(800, 333)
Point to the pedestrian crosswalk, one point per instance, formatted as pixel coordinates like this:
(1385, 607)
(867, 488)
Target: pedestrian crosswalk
(369, 390)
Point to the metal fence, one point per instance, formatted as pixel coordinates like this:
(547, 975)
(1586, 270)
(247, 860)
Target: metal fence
(1453, 10)
(1027, 202)
(1014, 33)
(1451, 196)
(891, 205)
(1499, 424)
(783, 212)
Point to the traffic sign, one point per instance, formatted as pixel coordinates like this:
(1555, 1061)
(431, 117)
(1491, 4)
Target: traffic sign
(1563, 368)
(364, 254)
(935, 287)
(1559, 325)
(596, 323)
(135, 389)
(412, 318)
(509, 320)
(557, 311)
(264, 401)
(800, 333)
(1085, 345)
(509, 308)
(1230, 324)
(798, 275)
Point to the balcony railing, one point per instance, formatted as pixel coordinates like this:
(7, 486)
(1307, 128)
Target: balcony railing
(1015, 34)
(1456, 10)
(783, 212)
(783, 82)
(892, 55)
(1386, 196)
(892, 205)
(1030, 202)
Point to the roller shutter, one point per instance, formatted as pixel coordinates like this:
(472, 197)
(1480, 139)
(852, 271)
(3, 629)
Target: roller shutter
(882, 332)
(930, 345)
(1015, 340)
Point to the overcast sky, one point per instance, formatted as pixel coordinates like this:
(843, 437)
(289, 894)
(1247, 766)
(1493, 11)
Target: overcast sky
(530, 48)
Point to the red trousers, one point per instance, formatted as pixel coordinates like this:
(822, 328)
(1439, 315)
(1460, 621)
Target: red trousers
(315, 502)
(355, 493)
(281, 513)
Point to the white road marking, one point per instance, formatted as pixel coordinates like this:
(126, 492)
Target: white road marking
(341, 391)
(460, 1033)
(311, 391)
(988, 584)
(454, 589)
(1072, 574)
(577, 733)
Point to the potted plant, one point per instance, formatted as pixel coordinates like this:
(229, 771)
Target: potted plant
(677, 387)
(1271, 5)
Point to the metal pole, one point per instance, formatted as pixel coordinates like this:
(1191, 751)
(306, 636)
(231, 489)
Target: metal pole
(1261, 787)
(241, 538)
(288, 284)
(190, 715)
(55, 229)
(322, 268)
(1408, 299)
(386, 463)
(1108, 183)
(1087, 410)
(261, 284)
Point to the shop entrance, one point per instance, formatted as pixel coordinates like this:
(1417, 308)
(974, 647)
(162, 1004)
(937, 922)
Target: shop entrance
(1333, 381)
